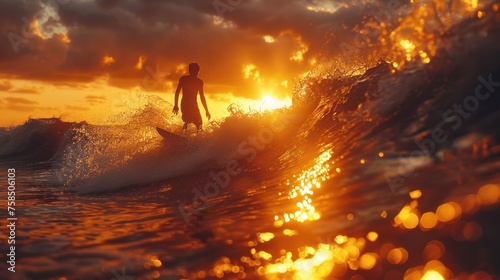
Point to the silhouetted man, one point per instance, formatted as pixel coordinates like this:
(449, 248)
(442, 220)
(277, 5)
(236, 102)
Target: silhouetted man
(191, 85)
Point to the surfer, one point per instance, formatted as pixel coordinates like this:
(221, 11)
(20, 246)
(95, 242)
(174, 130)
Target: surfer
(191, 85)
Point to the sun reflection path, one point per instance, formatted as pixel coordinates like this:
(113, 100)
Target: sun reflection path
(303, 188)
(347, 255)
(312, 262)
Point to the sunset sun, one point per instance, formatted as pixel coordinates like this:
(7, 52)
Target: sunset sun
(268, 102)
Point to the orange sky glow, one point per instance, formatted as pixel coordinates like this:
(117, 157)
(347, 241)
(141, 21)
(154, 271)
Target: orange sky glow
(87, 60)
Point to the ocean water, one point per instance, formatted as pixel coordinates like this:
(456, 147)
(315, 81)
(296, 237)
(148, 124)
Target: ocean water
(388, 172)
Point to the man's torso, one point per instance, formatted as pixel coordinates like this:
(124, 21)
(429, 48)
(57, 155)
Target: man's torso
(191, 85)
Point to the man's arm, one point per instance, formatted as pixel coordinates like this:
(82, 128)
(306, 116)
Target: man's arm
(204, 102)
(176, 98)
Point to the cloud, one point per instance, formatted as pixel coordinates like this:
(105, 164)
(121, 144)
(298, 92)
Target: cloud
(17, 100)
(25, 90)
(9, 87)
(5, 86)
(77, 108)
(19, 104)
(94, 99)
(106, 4)
(222, 98)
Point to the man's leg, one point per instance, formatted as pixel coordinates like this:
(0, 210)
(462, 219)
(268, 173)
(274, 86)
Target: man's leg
(184, 128)
(199, 128)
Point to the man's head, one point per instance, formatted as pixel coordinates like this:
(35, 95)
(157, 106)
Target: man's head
(194, 69)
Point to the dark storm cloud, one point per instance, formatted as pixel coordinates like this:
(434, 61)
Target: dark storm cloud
(105, 4)
(12, 12)
(166, 34)
(11, 15)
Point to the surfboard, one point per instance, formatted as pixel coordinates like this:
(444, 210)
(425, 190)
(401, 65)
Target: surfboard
(171, 137)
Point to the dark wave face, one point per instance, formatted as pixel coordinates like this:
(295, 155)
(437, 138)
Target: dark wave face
(37, 139)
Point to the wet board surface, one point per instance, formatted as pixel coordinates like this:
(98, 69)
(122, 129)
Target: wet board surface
(171, 137)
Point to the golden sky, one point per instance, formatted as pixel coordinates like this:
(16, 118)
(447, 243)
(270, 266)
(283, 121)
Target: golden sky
(83, 59)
